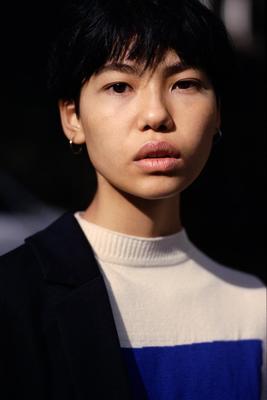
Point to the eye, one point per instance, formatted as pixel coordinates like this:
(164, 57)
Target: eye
(186, 84)
(119, 87)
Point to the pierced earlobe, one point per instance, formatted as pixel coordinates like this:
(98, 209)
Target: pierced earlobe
(218, 136)
(71, 125)
(75, 148)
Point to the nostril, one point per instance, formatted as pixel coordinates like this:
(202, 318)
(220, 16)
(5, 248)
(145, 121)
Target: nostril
(162, 128)
(147, 128)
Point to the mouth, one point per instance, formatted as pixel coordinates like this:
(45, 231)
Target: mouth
(157, 150)
(158, 157)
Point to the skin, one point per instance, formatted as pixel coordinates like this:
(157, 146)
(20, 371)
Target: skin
(120, 110)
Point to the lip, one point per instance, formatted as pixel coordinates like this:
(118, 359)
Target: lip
(157, 149)
(165, 157)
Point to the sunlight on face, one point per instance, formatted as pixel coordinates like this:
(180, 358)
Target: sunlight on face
(123, 106)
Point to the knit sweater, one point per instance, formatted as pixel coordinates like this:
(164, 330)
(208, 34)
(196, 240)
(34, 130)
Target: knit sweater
(189, 327)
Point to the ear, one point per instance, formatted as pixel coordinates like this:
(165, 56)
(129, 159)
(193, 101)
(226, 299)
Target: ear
(70, 122)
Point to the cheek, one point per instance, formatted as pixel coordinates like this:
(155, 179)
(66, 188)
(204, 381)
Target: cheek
(103, 144)
(197, 140)
(200, 127)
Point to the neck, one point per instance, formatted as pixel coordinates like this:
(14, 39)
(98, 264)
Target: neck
(133, 215)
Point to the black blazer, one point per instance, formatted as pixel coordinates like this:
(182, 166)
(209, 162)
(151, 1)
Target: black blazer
(57, 336)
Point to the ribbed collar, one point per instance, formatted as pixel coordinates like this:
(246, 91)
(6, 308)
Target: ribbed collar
(119, 248)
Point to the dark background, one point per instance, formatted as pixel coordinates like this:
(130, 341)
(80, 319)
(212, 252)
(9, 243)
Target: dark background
(223, 211)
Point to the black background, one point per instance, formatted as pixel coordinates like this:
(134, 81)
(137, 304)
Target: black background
(223, 211)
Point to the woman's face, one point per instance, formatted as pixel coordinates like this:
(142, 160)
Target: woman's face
(123, 107)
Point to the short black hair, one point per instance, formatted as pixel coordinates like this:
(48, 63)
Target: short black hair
(93, 32)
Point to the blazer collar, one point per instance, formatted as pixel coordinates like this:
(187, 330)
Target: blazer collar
(81, 316)
(64, 253)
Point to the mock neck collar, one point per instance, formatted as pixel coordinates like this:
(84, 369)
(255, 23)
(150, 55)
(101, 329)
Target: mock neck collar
(119, 248)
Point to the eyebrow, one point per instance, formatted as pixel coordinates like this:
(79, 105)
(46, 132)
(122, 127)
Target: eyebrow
(176, 68)
(168, 70)
(119, 67)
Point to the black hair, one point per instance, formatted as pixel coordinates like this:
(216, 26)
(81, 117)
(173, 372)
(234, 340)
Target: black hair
(93, 32)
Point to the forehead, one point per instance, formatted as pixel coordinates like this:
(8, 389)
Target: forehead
(168, 57)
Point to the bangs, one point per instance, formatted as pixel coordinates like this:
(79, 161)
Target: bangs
(102, 31)
(139, 32)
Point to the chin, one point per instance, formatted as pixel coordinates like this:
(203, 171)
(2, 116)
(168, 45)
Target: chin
(157, 194)
(161, 190)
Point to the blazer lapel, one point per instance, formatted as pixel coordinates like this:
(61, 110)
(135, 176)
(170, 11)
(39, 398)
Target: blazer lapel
(82, 311)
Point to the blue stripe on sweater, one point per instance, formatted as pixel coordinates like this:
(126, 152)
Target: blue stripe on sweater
(226, 370)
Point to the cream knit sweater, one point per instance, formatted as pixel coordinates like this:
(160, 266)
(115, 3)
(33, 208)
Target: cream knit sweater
(189, 328)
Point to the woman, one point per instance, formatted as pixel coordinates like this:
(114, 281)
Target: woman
(115, 302)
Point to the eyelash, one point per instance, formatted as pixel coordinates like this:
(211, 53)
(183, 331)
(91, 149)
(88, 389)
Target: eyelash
(190, 83)
(185, 84)
(118, 85)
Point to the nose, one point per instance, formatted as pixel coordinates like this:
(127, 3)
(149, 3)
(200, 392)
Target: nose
(154, 114)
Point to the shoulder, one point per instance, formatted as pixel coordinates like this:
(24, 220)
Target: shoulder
(15, 263)
(224, 275)
(59, 256)
(236, 298)
(20, 279)
(22, 269)
(231, 286)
